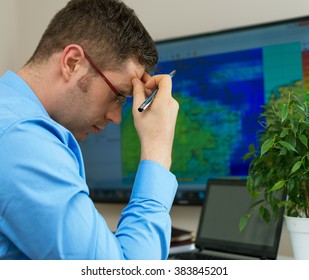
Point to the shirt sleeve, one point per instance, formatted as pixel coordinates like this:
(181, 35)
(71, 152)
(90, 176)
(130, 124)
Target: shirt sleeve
(146, 218)
(46, 212)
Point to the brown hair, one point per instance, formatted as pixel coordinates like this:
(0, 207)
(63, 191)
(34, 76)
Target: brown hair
(108, 30)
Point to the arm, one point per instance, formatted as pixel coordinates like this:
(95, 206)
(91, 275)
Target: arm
(156, 125)
(146, 217)
(154, 188)
(46, 212)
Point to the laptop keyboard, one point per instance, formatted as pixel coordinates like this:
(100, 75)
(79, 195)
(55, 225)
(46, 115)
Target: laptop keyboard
(196, 256)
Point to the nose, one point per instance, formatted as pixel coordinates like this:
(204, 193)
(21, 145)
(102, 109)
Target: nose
(115, 115)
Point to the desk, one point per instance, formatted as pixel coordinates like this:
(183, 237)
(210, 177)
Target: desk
(186, 217)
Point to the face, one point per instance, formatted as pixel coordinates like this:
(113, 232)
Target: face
(89, 105)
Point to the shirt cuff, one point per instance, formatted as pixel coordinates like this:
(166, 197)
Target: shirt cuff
(155, 182)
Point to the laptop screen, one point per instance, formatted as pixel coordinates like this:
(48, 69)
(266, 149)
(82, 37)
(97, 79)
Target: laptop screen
(226, 201)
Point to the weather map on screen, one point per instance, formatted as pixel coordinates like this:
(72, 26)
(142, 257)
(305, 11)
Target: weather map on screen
(223, 80)
(220, 97)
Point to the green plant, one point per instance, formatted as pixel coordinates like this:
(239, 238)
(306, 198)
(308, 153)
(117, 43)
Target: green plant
(280, 170)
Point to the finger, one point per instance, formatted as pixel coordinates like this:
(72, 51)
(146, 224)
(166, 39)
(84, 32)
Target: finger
(155, 81)
(164, 85)
(139, 94)
(146, 77)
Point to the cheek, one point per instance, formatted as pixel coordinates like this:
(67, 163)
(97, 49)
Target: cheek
(95, 106)
(84, 83)
(99, 107)
(95, 100)
(103, 102)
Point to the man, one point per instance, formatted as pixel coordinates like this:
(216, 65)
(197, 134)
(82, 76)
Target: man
(93, 55)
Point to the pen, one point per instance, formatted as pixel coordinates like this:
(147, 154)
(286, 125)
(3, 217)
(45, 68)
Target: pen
(147, 102)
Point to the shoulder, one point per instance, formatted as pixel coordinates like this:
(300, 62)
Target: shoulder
(41, 151)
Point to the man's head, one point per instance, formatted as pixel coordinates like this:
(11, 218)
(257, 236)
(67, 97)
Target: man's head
(84, 39)
(107, 30)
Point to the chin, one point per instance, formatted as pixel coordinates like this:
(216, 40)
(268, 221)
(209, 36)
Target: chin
(80, 137)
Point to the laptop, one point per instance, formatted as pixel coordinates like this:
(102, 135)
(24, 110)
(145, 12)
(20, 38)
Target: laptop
(218, 235)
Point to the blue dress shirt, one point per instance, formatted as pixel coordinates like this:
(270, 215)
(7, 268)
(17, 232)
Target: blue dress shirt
(45, 209)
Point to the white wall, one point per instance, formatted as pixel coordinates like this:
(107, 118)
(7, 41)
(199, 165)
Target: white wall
(23, 21)
(173, 18)
(8, 33)
(34, 16)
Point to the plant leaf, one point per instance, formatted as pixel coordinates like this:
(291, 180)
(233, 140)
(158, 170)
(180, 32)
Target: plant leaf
(296, 166)
(284, 112)
(283, 151)
(284, 133)
(252, 148)
(261, 211)
(277, 186)
(243, 222)
(266, 215)
(287, 145)
(267, 145)
(304, 140)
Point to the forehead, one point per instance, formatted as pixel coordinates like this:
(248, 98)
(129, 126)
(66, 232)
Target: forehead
(123, 78)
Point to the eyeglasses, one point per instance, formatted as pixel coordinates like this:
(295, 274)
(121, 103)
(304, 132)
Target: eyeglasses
(120, 99)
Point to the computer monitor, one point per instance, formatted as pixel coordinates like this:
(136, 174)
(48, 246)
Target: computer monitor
(223, 80)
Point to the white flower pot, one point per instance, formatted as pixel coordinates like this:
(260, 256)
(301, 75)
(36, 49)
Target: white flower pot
(299, 233)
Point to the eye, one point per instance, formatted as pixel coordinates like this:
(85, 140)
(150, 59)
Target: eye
(120, 99)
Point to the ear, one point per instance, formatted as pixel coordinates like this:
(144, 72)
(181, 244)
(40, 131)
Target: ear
(72, 61)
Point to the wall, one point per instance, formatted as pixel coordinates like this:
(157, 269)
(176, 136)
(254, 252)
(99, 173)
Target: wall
(23, 22)
(8, 31)
(34, 16)
(175, 18)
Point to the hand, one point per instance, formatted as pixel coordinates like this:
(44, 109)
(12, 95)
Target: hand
(156, 125)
